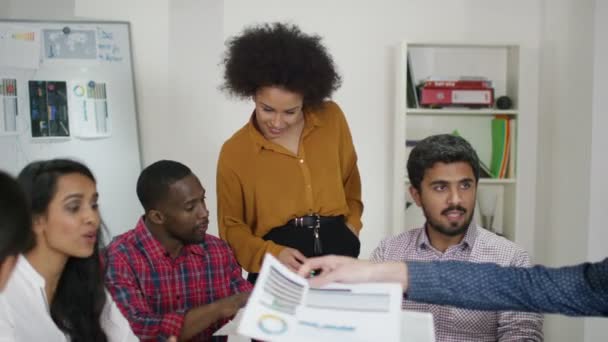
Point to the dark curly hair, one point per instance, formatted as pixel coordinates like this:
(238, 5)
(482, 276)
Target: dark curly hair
(441, 148)
(279, 55)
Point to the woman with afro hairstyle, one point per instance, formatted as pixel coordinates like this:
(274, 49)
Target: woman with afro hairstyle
(287, 181)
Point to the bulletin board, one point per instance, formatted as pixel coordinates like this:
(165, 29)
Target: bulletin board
(67, 90)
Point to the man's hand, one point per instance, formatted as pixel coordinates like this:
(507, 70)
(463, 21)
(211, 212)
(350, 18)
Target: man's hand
(292, 258)
(343, 269)
(230, 305)
(201, 317)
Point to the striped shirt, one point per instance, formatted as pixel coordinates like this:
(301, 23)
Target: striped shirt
(154, 291)
(453, 324)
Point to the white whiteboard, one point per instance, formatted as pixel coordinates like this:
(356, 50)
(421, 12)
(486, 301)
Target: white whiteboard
(90, 51)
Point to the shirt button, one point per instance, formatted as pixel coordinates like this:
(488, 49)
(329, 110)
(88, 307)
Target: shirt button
(301, 161)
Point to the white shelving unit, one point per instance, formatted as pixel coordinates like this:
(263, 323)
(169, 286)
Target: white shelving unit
(509, 67)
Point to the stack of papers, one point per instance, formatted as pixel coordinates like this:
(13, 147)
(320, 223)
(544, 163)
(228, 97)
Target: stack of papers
(283, 307)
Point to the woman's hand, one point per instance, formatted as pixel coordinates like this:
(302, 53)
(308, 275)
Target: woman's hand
(292, 258)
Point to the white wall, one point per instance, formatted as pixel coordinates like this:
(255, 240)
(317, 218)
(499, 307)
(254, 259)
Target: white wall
(596, 329)
(564, 144)
(38, 10)
(150, 35)
(564, 130)
(4, 7)
(177, 46)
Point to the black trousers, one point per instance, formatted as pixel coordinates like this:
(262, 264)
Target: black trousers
(336, 238)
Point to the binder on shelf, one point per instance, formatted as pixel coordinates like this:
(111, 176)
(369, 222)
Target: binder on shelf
(484, 170)
(501, 146)
(456, 96)
(412, 92)
(458, 84)
(513, 147)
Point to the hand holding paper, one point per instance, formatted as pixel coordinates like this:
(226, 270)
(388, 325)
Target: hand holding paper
(341, 269)
(283, 307)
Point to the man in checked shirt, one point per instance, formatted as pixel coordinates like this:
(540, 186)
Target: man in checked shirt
(166, 275)
(444, 174)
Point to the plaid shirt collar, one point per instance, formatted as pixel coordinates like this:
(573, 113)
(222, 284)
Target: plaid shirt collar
(155, 250)
(468, 241)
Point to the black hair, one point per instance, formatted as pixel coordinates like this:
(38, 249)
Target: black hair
(441, 148)
(80, 295)
(154, 181)
(16, 235)
(280, 55)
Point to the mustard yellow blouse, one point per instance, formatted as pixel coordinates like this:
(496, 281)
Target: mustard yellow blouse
(262, 185)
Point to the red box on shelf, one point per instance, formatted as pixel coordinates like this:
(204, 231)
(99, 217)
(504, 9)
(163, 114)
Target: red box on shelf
(437, 97)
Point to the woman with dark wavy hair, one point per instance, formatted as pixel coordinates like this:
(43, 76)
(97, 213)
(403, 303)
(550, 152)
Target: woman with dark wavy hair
(287, 182)
(56, 292)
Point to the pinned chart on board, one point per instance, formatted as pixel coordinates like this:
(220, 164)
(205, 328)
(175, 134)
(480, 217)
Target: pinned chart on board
(89, 106)
(66, 90)
(8, 105)
(67, 43)
(19, 46)
(48, 109)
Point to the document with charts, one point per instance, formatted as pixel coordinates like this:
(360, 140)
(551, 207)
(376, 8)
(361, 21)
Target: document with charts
(283, 307)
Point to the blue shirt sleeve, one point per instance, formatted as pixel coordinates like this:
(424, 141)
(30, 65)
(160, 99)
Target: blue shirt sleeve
(580, 290)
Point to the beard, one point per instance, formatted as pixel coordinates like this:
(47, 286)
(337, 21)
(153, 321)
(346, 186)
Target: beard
(452, 229)
(196, 237)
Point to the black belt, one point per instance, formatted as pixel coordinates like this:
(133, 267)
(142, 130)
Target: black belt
(314, 220)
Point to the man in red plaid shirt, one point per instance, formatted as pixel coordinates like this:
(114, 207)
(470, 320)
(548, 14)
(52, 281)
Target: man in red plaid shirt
(166, 275)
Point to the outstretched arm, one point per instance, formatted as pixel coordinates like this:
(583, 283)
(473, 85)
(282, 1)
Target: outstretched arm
(574, 290)
(580, 290)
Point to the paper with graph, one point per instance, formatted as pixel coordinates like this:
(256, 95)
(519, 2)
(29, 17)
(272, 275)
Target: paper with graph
(88, 103)
(283, 307)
